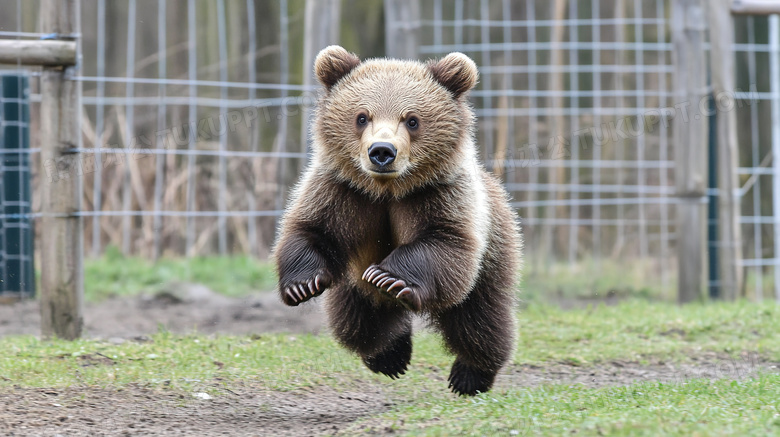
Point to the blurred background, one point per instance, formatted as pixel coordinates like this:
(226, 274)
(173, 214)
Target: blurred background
(192, 128)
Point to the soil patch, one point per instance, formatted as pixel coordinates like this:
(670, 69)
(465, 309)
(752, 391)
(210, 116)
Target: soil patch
(710, 366)
(179, 308)
(185, 307)
(241, 409)
(134, 410)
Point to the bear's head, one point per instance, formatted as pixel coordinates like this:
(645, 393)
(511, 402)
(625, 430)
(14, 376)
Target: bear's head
(388, 126)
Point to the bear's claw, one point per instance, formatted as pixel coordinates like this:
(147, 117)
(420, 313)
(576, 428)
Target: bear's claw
(385, 281)
(299, 292)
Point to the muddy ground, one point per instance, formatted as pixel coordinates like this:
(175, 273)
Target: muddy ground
(252, 410)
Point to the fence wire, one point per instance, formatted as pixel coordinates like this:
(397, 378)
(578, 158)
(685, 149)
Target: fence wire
(581, 92)
(566, 89)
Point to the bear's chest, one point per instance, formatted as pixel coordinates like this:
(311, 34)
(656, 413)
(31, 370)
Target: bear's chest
(376, 238)
(380, 232)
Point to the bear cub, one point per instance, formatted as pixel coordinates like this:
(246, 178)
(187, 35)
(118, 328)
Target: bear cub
(395, 215)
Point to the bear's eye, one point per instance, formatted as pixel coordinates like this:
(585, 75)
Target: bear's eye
(412, 123)
(362, 120)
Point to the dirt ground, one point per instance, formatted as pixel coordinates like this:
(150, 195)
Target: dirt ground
(245, 410)
(180, 308)
(252, 410)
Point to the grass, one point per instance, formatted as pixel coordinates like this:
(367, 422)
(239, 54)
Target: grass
(117, 275)
(632, 331)
(636, 331)
(697, 407)
(114, 274)
(597, 279)
(760, 283)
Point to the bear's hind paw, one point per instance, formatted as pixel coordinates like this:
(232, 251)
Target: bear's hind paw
(393, 361)
(393, 286)
(469, 381)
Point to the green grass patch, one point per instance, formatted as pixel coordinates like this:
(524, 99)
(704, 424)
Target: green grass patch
(114, 274)
(632, 331)
(760, 283)
(637, 329)
(694, 407)
(596, 279)
(281, 362)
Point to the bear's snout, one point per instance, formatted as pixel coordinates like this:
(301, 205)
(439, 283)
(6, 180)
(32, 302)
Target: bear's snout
(382, 153)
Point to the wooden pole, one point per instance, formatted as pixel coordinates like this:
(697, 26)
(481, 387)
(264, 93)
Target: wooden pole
(722, 70)
(690, 139)
(755, 7)
(322, 21)
(547, 250)
(402, 27)
(52, 53)
(61, 230)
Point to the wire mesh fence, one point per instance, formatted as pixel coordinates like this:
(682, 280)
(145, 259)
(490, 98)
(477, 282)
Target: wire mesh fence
(16, 235)
(193, 114)
(207, 127)
(567, 85)
(756, 41)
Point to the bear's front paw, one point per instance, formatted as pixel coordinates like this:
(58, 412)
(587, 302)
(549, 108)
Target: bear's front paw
(297, 292)
(399, 288)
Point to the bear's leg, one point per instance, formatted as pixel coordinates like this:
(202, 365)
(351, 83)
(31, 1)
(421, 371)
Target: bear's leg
(381, 333)
(303, 267)
(480, 332)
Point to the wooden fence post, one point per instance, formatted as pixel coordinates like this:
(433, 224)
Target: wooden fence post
(722, 70)
(690, 142)
(61, 231)
(322, 21)
(557, 126)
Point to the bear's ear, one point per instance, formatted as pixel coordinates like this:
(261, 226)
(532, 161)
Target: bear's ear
(456, 71)
(333, 63)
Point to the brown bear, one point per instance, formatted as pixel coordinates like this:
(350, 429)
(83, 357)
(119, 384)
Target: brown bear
(395, 216)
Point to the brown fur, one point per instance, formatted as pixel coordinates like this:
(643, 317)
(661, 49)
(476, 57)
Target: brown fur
(338, 62)
(431, 233)
(456, 72)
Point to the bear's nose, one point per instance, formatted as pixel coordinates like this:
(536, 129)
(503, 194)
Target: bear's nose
(381, 154)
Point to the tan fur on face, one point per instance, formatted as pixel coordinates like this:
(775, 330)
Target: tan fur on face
(389, 91)
(390, 131)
